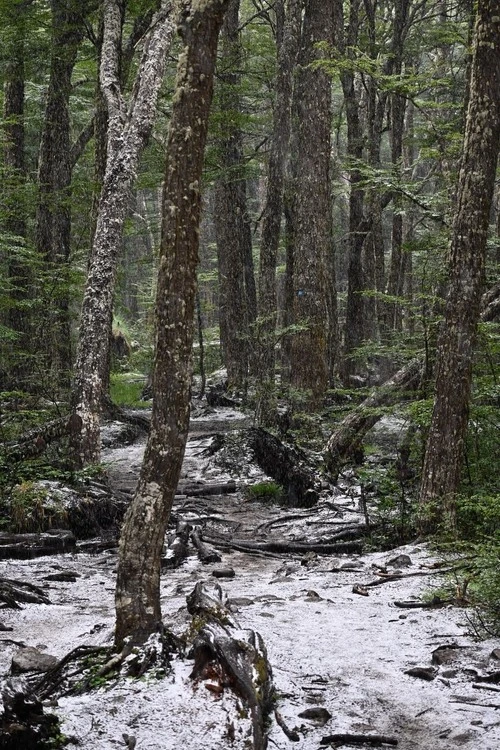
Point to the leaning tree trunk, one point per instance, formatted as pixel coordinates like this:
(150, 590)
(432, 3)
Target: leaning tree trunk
(445, 445)
(313, 228)
(138, 609)
(127, 136)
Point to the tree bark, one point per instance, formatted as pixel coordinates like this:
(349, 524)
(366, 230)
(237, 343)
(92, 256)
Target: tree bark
(138, 609)
(232, 230)
(313, 220)
(128, 133)
(445, 445)
(272, 213)
(53, 215)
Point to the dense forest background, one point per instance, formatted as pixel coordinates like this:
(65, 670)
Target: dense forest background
(331, 246)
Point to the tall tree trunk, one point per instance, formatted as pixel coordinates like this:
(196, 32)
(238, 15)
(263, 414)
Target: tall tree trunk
(313, 220)
(53, 216)
(288, 44)
(128, 132)
(232, 230)
(138, 609)
(17, 370)
(445, 445)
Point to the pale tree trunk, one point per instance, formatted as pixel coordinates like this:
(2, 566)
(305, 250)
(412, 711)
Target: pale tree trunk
(138, 611)
(445, 445)
(313, 221)
(288, 43)
(232, 230)
(128, 131)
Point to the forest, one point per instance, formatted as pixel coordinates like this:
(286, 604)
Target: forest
(272, 225)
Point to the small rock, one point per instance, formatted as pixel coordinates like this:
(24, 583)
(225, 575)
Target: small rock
(30, 659)
(495, 654)
(401, 561)
(223, 573)
(309, 557)
(313, 596)
(423, 673)
(444, 655)
(358, 589)
(6, 628)
(319, 714)
(240, 601)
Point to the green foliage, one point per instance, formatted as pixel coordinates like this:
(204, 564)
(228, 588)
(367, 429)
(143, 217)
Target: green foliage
(126, 389)
(266, 492)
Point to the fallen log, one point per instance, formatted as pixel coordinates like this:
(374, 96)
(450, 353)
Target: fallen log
(28, 546)
(206, 553)
(178, 548)
(373, 740)
(323, 548)
(288, 465)
(233, 657)
(12, 592)
(196, 490)
(34, 442)
(345, 441)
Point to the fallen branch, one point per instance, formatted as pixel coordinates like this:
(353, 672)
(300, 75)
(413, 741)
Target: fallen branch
(374, 740)
(321, 548)
(478, 686)
(206, 553)
(292, 735)
(12, 592)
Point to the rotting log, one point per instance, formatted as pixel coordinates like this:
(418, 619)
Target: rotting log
(34, 442)
(12, 592)
(206, 553)
(178, 548)
(288, 465)
(322, 548)
(346, 439)
(28, 546)
(373, 740)
(199, 490)
(239, 655)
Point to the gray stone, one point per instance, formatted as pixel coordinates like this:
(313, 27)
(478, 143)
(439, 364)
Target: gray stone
(30, 659)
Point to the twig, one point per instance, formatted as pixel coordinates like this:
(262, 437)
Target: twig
(292, 735)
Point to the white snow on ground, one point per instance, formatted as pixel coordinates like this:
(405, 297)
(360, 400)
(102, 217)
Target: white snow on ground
(327, 646)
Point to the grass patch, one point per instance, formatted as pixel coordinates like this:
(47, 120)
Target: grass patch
(126, 389)
(266, 492)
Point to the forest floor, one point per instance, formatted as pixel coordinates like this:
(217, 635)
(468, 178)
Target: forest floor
(329, 648)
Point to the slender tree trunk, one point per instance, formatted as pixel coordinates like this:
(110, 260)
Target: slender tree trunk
(127, 136)
(14, 373)
(138, 611)
(313, 222)
(271, 218)
(53, 217)
(445, 445)
(230, 212)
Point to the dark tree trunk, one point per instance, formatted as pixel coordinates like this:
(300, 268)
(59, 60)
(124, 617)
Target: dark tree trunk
(14, 373)
(138, 583)
(232, 229)
(445, 445)
(53, 216)
(313, 221)
(288, 43)
(128, 132)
